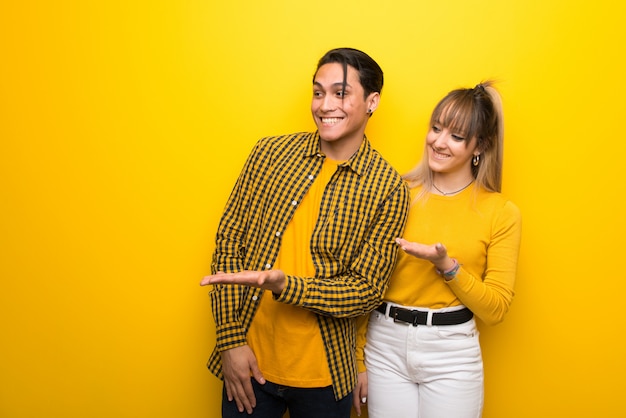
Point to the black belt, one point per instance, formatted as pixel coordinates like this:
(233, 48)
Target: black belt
(416, 318)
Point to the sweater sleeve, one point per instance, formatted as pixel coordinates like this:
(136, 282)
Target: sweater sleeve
(490, 297)
(361, 337)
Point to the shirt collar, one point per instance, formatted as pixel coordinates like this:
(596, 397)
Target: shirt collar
(357, 163)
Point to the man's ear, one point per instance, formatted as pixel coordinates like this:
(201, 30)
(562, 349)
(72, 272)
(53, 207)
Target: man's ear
(372, 102)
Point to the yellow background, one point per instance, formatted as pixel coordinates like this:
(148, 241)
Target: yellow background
(123, 125)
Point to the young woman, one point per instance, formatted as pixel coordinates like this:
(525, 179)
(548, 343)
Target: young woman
(459, 258)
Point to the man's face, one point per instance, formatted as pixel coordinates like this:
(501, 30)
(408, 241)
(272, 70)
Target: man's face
(340, 115)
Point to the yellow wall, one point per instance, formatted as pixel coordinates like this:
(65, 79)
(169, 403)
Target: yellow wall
(123, 125)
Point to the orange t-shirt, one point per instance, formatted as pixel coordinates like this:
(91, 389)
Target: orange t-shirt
(286, 339)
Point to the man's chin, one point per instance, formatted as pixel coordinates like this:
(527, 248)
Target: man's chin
(328, 134)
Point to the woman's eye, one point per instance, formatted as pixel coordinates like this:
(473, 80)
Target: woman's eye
(458, 137)
(436, 128)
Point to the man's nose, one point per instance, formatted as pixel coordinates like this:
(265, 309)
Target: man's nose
(328, 103)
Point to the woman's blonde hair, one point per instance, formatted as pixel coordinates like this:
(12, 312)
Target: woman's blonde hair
(477, 113)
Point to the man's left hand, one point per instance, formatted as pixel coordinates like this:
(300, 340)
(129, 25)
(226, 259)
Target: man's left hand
(273, 280)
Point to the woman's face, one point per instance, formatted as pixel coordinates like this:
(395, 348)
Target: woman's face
(448, 151)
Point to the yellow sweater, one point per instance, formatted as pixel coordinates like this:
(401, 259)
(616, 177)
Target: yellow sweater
(482, 230)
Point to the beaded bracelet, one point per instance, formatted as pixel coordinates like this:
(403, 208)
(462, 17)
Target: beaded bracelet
(450, 273)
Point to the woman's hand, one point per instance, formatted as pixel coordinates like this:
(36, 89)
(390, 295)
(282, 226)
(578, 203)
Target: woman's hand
(359, 395)
(435, 253)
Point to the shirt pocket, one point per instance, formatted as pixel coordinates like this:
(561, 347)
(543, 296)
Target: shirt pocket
(342, 230)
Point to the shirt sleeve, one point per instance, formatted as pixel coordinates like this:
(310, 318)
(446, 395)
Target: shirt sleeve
(360, 289)
(490, 298)
(228, 257)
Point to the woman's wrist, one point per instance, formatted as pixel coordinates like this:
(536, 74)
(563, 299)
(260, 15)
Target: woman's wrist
(450, 272)
(445, 265)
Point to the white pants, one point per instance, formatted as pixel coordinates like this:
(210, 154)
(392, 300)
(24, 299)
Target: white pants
(423, 371)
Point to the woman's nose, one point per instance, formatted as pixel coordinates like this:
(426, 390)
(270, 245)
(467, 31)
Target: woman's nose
(440, 140)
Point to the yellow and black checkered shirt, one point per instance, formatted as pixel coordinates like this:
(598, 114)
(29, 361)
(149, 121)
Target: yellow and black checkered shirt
(364, 208)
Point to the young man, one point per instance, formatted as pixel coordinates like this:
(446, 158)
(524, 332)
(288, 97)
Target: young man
(306, 245)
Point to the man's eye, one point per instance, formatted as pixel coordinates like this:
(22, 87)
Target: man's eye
(341, 93)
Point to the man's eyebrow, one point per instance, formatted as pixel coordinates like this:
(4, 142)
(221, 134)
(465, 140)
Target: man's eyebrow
(337, 84)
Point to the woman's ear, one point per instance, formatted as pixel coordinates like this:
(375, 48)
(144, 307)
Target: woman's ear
(480, 147)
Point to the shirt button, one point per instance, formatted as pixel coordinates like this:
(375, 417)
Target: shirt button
(278, 233)
(268, 266)
(294, 203)
(311, 177)
(255, 297)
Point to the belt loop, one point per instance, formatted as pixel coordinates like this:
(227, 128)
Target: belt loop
(429, 319)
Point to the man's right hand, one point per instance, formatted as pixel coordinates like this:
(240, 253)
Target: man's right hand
(237, 365)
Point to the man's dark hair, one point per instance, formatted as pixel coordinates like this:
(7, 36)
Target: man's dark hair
(370, 73)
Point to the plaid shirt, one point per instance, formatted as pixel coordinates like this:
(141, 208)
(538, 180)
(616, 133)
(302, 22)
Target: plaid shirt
(364, 207)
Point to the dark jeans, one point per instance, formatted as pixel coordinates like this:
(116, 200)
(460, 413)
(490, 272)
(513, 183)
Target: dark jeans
(272, 401)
